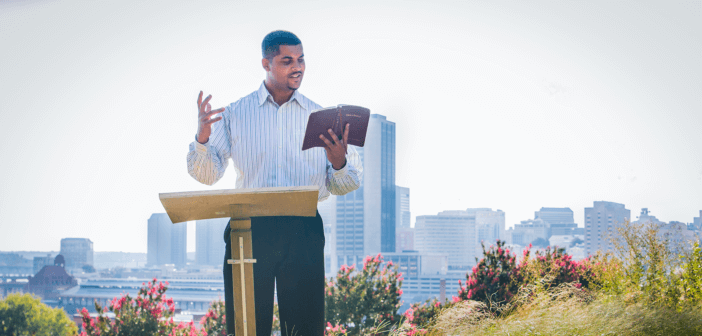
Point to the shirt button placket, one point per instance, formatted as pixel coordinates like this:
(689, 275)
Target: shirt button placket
(280, 142)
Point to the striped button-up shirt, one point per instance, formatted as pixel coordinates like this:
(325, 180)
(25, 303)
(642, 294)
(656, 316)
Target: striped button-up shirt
(264, 141)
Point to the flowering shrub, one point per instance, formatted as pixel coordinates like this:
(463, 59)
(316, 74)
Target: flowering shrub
(334, 330)
(419, 316)
(361, 300)
(151, 313)
(214, 322)
(553, 267)
(492, 279)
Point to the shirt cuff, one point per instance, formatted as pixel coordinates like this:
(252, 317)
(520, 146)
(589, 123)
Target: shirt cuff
(198, 147)
(343, 171)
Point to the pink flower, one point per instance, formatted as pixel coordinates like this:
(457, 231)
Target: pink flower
(455, 299)
(399, 292)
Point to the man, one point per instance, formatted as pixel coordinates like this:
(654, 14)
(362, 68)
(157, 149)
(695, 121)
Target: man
(262, 134)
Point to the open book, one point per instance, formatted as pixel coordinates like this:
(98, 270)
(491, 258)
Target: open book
(336, 118)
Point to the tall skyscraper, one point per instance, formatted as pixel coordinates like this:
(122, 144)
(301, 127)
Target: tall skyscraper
(77, 252)
(327, 210)
(697, 221)
(599, 220)
(366, 218)
(457, 234)
(209, 241)
(490, 225)
(402, 207)
(167, 242)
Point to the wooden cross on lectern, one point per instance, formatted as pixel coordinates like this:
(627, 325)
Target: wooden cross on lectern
(240, 205)
(241, 229)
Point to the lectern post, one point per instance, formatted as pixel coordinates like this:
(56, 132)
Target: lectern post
(240, 205)
(242, 276)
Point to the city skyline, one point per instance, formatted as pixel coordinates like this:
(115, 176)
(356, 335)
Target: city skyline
(507, 106)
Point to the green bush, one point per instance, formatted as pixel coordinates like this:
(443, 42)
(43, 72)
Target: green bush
(24, 314)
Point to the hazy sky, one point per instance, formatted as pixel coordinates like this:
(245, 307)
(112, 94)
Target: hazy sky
(513, 106)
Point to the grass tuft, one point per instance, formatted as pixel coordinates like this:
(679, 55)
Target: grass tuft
(566, 310)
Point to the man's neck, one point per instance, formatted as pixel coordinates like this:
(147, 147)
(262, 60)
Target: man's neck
(279, 96)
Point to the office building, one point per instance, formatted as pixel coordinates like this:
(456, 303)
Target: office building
(327, 210)
(600, 219)
(77, 252)
(167, 242)
(490, 226)
(426, 287)
(457, 234)
(209, 241)
(404, 239)
(560, 221)
(678, 235)
(413, 264)
(402, 207)
(697, 221)
(40, 262)
(555, 215)
(365, 218)
(528, 231)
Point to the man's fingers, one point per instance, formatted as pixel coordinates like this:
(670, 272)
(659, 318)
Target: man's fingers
(212, 121)
(326, 141)
(334, 137)
(208, 108)
(346, 134)
(219, 110)
(199, 101)
(210, 114)
(204, 103)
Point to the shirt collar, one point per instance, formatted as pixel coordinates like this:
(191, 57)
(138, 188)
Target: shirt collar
(263, 95)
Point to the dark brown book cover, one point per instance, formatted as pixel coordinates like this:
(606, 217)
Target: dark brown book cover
(336, 118)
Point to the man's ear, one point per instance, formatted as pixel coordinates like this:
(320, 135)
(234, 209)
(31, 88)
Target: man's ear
(266, 64)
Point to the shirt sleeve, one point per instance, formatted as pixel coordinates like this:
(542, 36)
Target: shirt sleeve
(349, 177)
(207, 162)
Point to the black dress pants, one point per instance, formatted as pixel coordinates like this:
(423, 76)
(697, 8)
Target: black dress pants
(289, 253)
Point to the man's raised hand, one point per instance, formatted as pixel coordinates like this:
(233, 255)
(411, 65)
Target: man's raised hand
(204, 117)
(336, 151)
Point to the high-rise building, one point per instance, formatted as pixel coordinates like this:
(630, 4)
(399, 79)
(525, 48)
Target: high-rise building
(530, 230)
(77, 252)
(560, 221)
(412, 264)
(402, 207)
(457, 234)
(366, 218)
(697, 221)
(555, 215)
(209, 241)
(167, 242)
(601, 219)
(404, 239)
(490, 225)
(327, 210)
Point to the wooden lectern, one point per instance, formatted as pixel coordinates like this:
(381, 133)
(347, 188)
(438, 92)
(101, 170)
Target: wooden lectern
(240, 205)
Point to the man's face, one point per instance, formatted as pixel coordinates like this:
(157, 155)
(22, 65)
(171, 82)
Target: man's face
(285, 70)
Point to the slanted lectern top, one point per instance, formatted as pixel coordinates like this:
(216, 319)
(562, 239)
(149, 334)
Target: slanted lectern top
(240, 205)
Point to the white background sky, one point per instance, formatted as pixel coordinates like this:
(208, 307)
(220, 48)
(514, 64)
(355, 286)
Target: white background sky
(513, 106)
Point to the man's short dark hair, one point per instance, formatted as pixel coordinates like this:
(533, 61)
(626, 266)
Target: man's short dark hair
(272, 42)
